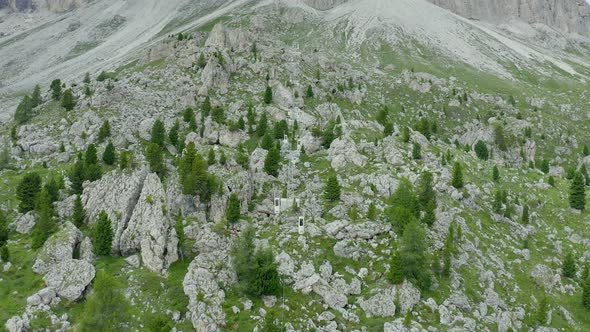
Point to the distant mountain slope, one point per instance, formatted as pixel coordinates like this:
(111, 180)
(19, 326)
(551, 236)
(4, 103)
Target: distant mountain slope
(564, 15)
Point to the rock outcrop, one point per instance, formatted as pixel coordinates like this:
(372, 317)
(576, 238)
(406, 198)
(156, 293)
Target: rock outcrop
(149, 230)
(70, 278)
(565, 16)
(58, 248)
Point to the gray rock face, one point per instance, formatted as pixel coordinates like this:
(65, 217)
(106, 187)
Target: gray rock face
(149, 230)
(70, 278)
(409, 296)
(565, 16)
(87, 250)
(18, 324)
(116, 194)
(380, 305)
(343, 152)
(58, 248)
(324, 4)
(330, 295)
(25, 223)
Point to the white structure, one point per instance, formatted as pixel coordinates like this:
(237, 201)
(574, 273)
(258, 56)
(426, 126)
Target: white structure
(301, 225)
(284, 204)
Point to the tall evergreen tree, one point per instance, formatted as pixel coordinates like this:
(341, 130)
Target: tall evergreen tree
(540, 316)
(103, 237)
(414, 255)
(173, 133)
(36, 98)
(578, 193)
(457, 180)
(309, 92)
(416, 151)
(155, 158)
(495, 174)
(332, 189)
(233, 209)
(55, 89)
(68, 101)
(158, 133)
(243, 255)
(27, 190)
(45, 223)
(105, 131)
(265, 279)
(499, 138)
(211, 160)
(24, 110)
(109, 156)
(272, 163)
(262, 125)
(106, 309)
(525, 215)
(425, 191)
(568, 268)
(268, 95)
(396, 270)
(206, 107)
(481, 150)
(267, 142)
(79, 213)
(92, 170)
(77, 176)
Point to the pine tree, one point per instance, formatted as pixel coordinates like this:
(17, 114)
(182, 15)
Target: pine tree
(578, 193)
(586, 293)
(405, 134)
(495, 174)
(45, 223)
(233, 209)
(27, 191)
(414, 255)
(254, 51)
(158, 133)
(201, 61)
(525, 215)
(105, 131)
(425, 190)
(155, 158)
(103, 237)
(568, 268)
(92, 170)
(211, 157)
(417, 151)
(68, 101)
(109, 156)
(24, 110)
(262, 125)
(272, 163)
(544, 166)
(267, 142)
(309, 92)
(457, 180)
(206, 107)
(106, 309)
(332, 189)
(77, 176)
(55, 89)
(243, 255)
(36, 98)
(188, 114)
(498, 202)
(173, 133)
(268, 95)
(125, 159)
(265, 279)
(499, 138)
(91, 158)
(396, 270)
(79, 213)
(586, 151)
(86, 78)
(481, 150)
(3, 229)
(540, 317)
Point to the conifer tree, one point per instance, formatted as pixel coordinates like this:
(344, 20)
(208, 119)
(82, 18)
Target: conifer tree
(68, 101)
(77, 176)
(109, 156)
(154, 156)
(173, 133)
(498, 202)
(568, 268)
(416, 151)
(262, 125)
(396, 271)
(105, 131)
(495, 174)
(578, 193)
(27, 191)
(106, 309)
(86, 78)
(103, 237)
(499, 138)
(79, 213)
(206, 107)
(233, 209)
(45, 223)
(586, 292)
(201, 61)
(332, 189)
(36, 98)
(55, 89)
(272, 163)
(457, 180)
(309, 92)
(24, 110)
(405, 134)
(414, 255)
(92, 170)
(267, 142)
(158, 133)
(586, 151)
(211, 157)
(540, 316)
(481, 150)
(265, 279)
(525, 215)
(268, 95)
(544, 166)
(222, 158)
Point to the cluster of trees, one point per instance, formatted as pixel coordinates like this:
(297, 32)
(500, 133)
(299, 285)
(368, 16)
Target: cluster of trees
(106, 308)
(257, 270)
(86, 168)
(34, 196)
(406, 205)
(24, 111)
(194, 175)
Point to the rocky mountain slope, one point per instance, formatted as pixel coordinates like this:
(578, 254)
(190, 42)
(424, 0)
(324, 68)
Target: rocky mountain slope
(378, 165)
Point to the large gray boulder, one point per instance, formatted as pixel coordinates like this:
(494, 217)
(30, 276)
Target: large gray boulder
(117, 194)
(25, 223)
(380, 305)
(149, 231)
(58, 248)
(18, 324)
(70, 278)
